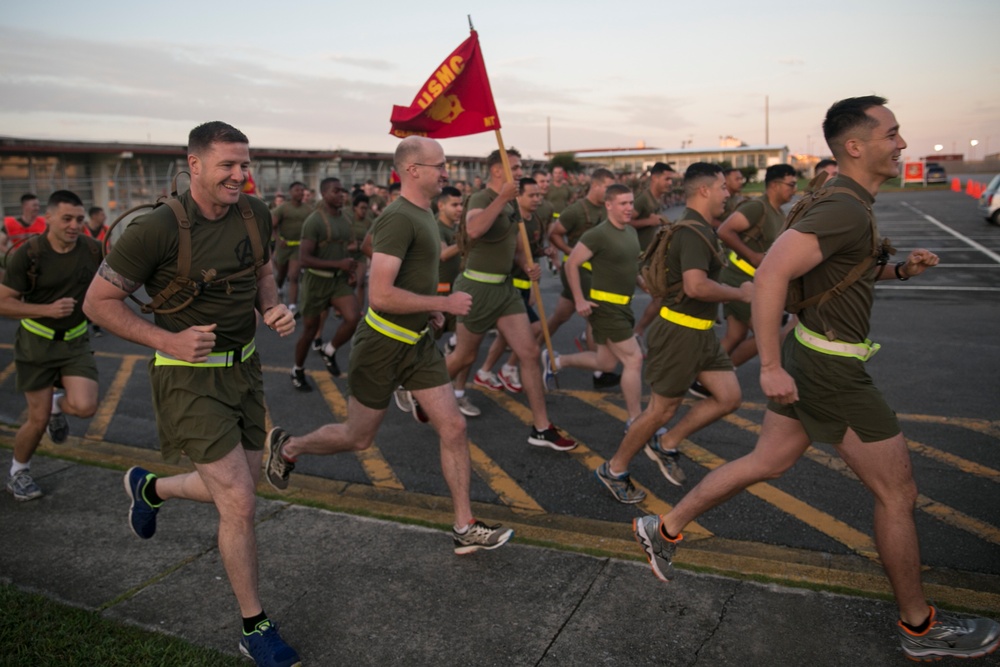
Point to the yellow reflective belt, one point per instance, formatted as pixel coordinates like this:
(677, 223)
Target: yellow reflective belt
(481, 277)
(837, 348)
(444, 288)
(290, 244)
(215, 359)
(610, 297)
(585, 265)
(322, 274)
(394, 331)
(685, 320)
(521, 283)
(740, 263)
(52, 334)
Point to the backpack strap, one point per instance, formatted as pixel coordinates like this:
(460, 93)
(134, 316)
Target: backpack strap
(693, 226)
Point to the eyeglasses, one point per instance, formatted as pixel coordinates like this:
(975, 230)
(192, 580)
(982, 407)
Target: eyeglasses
(443, 166)
(790, 183)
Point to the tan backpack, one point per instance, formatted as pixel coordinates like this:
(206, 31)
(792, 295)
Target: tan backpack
(653, 261)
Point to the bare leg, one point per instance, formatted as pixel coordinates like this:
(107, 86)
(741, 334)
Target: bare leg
(442, 410)
(29, 436)
(294, 268)
(658, 412)
(725, 398)
(355, 434)
(517, 331)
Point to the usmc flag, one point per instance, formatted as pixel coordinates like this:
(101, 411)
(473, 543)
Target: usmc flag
(455, 101)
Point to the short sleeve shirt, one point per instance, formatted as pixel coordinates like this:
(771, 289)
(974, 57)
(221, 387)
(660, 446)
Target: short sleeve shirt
(580, 216)
(331, 233)
(842, 227)
(559, 195)
(493, 252)
(646, 205)
(289, 218)
(406, 231)
(147, 253)
(615, 261)
(687, 252)
(449, 269)
(534, 231)
(59, 275)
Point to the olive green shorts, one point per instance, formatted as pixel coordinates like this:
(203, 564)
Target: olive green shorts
(316, 292)
(206, 412)
(490, 302)
(677, 354)
(611, 321)
(585, 280)
(834, 393)
(40, 362)
(738, 309)
(284, 253)
(380, 364)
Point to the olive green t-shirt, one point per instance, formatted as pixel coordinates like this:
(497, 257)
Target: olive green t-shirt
(534, 231)
(544, 213)
(843, 230)
(580, 216)
(147, 253)
(615, 261)
(406, 231)
(449, 269)
(493, 252)
(59, 275)
(646, 204)
(289, 218)
(359, 229)
(765, 224)
(559, 196)
(331, 233)
(686, 252)
(732, 204)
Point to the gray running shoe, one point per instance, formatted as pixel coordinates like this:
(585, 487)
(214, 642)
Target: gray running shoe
(659, 551)
(481, 536)
(22, 487)
(620, 487)
(669, 461)
(950, 636)
(403, 400)
(466, 407)
(278, 469)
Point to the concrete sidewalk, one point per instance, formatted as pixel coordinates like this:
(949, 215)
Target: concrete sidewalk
(360, 591)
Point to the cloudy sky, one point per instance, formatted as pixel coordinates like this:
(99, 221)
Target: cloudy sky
(325, 74)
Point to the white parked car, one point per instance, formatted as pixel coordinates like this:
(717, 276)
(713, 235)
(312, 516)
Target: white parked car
(989, 202)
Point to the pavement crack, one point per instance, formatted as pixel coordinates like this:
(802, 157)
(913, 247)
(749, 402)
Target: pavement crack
(156, 578)
(718, 624)
(555, 637)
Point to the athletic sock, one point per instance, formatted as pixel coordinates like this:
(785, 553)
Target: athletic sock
(665, 534)
(464, 529)
(55, 402)
(459, 393)
(918, 629)
(16, 466)
(296, 369)
(250, 624)
(329, 350)
(150, 494)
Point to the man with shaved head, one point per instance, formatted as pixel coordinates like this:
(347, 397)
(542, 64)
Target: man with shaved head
(393, 346)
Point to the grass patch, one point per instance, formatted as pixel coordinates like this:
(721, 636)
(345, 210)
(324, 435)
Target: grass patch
(40, 632)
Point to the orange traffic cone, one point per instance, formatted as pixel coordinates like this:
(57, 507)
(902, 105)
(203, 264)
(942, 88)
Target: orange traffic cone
(956, 185)
(969, 185)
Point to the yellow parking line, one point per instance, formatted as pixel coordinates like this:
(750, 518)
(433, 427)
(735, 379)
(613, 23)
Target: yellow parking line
(962, 464)
(375, 466)
(592, 461)
(101, 420)
(511, 494)
(7, 372)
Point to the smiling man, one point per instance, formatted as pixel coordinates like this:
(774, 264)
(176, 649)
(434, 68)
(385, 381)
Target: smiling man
(206, 379)
(818, 386)
(44, 287)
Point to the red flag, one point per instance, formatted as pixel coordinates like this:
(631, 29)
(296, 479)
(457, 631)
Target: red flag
(455, 101)
(249, 185)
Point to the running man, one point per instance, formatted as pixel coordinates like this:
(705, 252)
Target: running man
(819, 389)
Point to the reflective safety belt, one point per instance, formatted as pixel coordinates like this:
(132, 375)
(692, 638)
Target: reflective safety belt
(215, 359)
(481, 277)
(586, 265)
(740, 263)
(610, 297)
(290, 244)
(444, 288)
(837, 348)
(54, 334)
(321, 273)
(685, 320)
(521, 283)
(394, 331)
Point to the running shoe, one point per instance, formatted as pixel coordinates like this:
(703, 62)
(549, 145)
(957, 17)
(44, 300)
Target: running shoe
(950, 635)
(698, 390)
(23, 487)
(607, 380)
(266, 647)
(418, 412)
(620, 486)
(403, 400)
(97, 331)
(449, 345)
(668, 460)
(659, 550)
(58, 427)
(548, 375)
(510, 378)
(331, 363)
(300, 382)
(141, 513)
(487, 380)
(317, 344)
(552, 438)
(480, 536)
(466, 407)
(278, 468)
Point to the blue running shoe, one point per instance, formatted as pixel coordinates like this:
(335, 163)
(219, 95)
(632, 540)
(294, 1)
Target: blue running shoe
(266, 647)
(141, 514)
